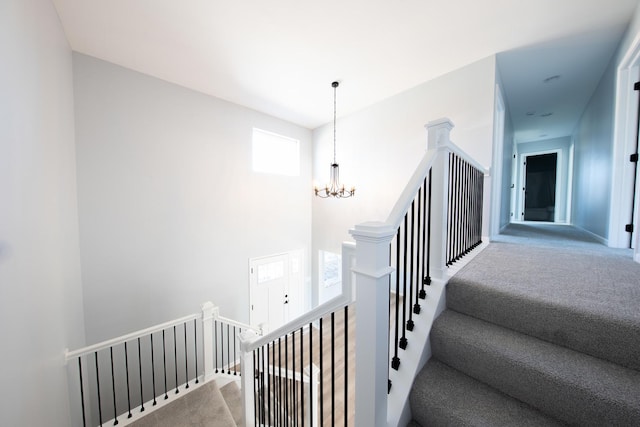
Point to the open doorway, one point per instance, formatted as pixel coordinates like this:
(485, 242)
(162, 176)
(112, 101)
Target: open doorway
(540, 182)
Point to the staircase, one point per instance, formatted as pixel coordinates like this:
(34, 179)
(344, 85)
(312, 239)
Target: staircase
(536, 332)
(207, 405)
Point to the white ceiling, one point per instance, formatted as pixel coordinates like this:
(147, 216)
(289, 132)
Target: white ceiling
(280, 56)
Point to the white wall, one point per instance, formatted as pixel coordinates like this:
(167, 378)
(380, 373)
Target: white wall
(40, 289)
(170, 210)
(593, 159)
(507, 173)
(563, 146)
(506, 157)
(380, 147)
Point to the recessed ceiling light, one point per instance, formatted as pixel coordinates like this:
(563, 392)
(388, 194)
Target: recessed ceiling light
(546, 114)
(551, 78)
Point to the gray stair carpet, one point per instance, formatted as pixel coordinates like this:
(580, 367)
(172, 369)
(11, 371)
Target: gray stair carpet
(543, 324)
(202, 407)
(233, 397)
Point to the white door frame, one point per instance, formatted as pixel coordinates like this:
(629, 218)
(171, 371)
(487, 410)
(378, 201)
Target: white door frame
(625, 130)
(496, 168)
(522, 180)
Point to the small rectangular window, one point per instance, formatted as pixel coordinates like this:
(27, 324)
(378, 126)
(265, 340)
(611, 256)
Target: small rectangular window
(330, 268)
(275, 154)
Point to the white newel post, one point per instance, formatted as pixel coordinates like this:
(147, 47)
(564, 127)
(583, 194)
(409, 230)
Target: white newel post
(372, 321)
(438, 135)
(247, 373)
(209, 313)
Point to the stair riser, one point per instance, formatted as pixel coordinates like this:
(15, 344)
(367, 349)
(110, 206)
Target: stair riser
(520, 375)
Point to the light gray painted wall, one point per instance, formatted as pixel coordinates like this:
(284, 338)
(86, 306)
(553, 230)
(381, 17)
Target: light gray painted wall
(170, 210)
(40, 288)
(547, 145)
(593, 139)
(380, 147)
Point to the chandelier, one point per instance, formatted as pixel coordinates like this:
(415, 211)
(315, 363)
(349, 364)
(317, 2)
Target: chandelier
(334, 188)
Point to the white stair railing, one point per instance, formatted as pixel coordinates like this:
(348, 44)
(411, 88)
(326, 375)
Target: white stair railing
(436, 220)
(119, 380)
(446, 189)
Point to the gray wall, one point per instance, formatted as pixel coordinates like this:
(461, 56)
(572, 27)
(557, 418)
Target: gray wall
(40, 289)
(593, 161)
(170, 210)
(380, 147)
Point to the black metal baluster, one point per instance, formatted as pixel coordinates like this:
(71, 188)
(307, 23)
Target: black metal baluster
(126, 368)
(268, 388)
(416, 306)
(221, 348)
(153, 372)
(186, 358)
(456, 221)
(461, 213)
(389, 329)
(98, 387)
(449, 196)
(425, 245)
(403, 340)
(301, 372)
(195, 342)
(456, 213)
(395, 362)
(295, 385)
(346, 363)
(175, 357)
(286, 382)
(264, 405)
(471, 207)
(140, 372)
(84, 417)
(409, 273)
(333, 370)
(256, 399)
(474, 236)
(310, 374)
(235, 364)
(164, 364)
(428, 271)
(113, 389)
(321, 378)
(228, 352)
(279, 381)
(468, 211)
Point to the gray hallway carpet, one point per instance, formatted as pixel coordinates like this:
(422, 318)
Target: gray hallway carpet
(541, 328)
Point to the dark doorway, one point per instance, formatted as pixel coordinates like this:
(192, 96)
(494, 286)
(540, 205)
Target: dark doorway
(540, 187)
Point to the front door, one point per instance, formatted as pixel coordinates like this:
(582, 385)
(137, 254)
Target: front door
(269, 284)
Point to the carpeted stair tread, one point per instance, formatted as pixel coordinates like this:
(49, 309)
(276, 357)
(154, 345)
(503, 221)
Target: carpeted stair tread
(202, 406)
(233, 397)
(568, 385)
(443, 396)
(564, 296)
